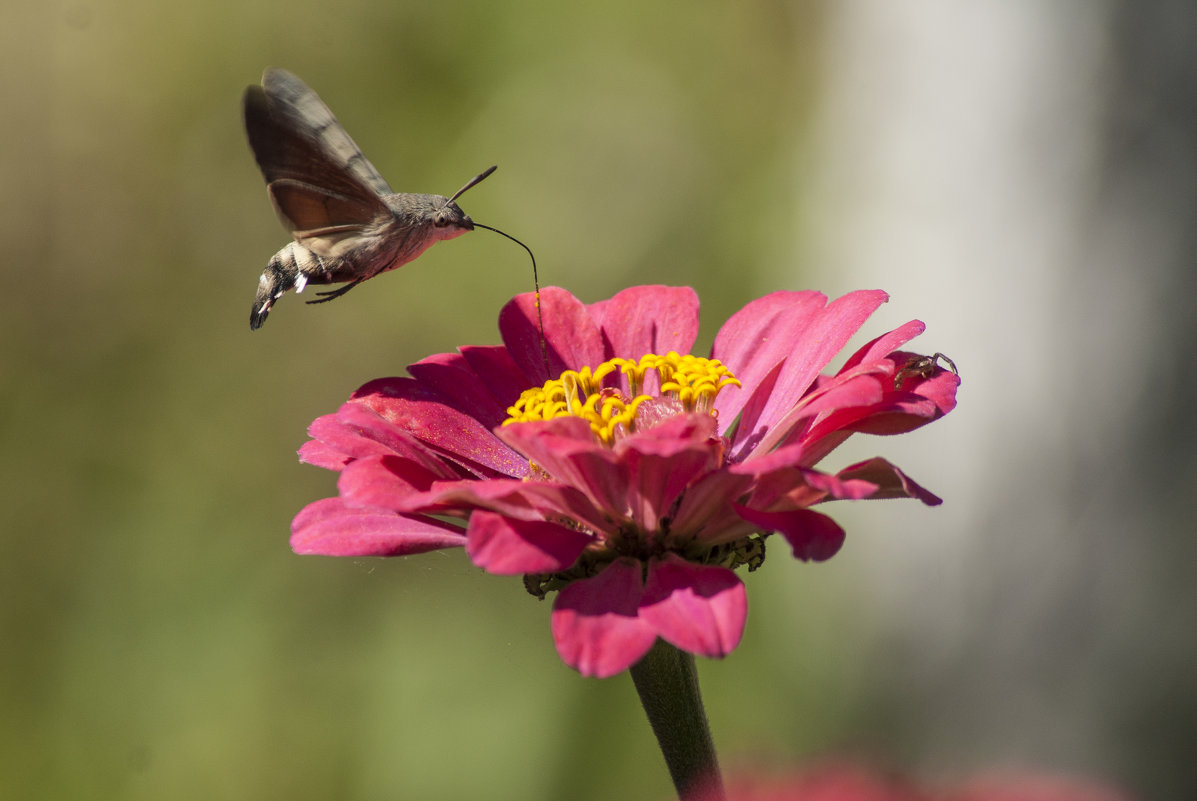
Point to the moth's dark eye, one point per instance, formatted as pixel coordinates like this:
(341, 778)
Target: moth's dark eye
(441, 219)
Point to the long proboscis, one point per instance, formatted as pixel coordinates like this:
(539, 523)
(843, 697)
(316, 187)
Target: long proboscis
(544, 348)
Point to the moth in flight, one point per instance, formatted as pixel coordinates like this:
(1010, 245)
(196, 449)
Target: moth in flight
(346, 223)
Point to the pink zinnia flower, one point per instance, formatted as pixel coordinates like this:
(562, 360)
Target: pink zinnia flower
(630, 478)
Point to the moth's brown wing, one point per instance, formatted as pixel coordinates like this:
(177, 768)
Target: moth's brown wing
(318, 177)
(314, 214)
(312, 209)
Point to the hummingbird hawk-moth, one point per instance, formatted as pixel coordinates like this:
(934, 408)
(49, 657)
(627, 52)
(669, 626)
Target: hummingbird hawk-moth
(346, 223)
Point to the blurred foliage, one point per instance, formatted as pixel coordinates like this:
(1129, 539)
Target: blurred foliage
(160, 639)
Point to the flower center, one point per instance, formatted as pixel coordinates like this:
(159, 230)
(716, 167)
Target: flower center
(683, 384)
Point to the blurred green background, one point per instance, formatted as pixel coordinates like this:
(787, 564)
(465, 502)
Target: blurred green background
(159, 638)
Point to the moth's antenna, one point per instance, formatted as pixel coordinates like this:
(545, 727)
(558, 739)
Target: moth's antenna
(544, 348)
(477, 179)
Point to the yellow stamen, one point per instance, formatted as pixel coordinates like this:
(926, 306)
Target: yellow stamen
(691, 380)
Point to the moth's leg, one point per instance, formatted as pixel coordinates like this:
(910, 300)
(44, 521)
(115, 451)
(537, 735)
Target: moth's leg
(325, 297)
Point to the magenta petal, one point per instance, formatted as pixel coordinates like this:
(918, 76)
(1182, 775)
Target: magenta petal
(932, 396)
(838, 487)
(557, 500)
(330, 528)
(495, 367)
(889, 480)
(885, 344)
(450, 375)
(354, 432)
(940, 389)
(508, 547)
(522, 500)
(845, 391)
(707, 511)
(595, 622)
(758, 337)
(565, 448)
(323, 455)
(673, 436)
(783, 473)
(698, 608)
(663, 461)
(420, 412)
(899, 412)
(818, 343)
(383, 481)
(813, 536)
(649, 319)
(572, 336)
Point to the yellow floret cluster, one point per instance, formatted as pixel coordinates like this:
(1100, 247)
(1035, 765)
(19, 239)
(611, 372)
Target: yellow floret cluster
(691, 381)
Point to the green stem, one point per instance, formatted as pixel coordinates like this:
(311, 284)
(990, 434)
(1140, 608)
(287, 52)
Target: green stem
(668, 686)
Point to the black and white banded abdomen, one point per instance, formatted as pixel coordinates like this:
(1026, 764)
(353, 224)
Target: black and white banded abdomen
(290, 268)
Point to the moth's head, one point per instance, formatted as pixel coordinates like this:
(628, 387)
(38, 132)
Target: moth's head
(449, 221)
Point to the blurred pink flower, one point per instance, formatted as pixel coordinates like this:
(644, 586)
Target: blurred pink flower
(850, 782)
(628, 477)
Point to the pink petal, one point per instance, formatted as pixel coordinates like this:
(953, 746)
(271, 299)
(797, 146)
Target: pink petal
(813, 536)
(902, 417)
(674, 435)
(698, 608)
(889, 480)
(844, 391)
(519, 499)
(649, 319)
(354, 432)
(451, 377)
(839, 487)
(572, 336)
(565, 449)
(821, 340)
(507, 547)
(366, 434)
(420, 412)
(756, 339)
(885, 344)
(783, 484)
(513, 498)
(494, 366)
(940, 389)
(330, 528)
(707, 511)
(383, 481)
(813, 345)
(322, 455)
(663, 461)
(598, 309)
(784, 489)
(897, 413)
(918, 402)
(595, 621)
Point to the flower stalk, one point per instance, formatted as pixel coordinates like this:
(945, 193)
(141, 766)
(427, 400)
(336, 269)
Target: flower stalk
(667, 682)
